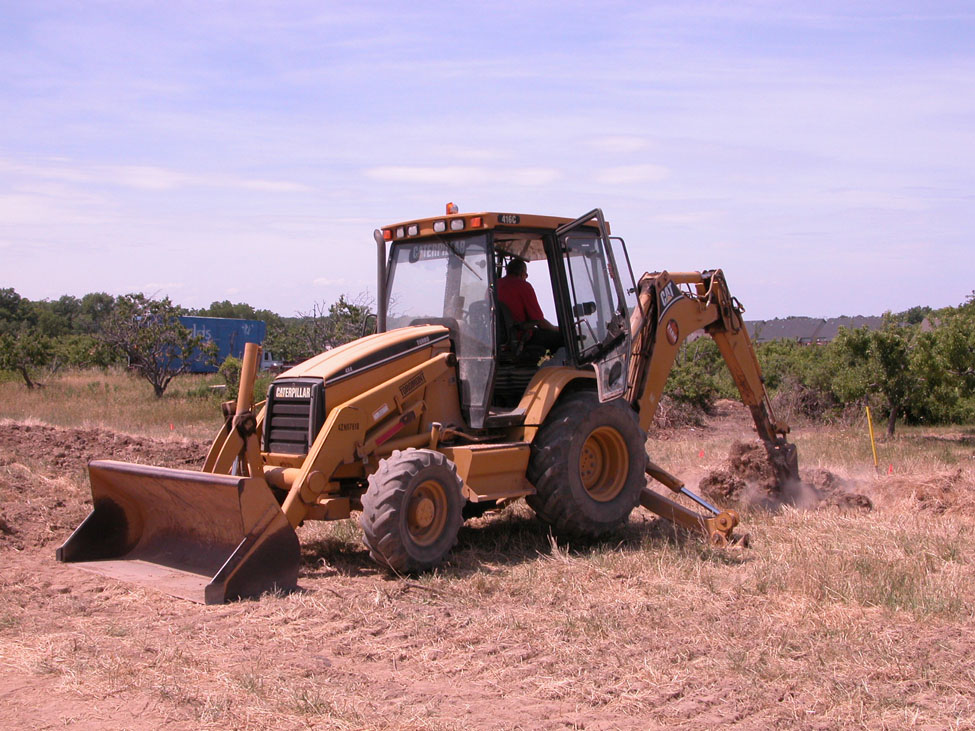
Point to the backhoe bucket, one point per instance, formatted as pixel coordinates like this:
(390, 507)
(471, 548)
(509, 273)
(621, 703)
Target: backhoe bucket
(204, 537)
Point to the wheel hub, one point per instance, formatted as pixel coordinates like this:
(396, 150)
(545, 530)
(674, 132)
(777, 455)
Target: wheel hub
(603, 464)
(426, 513)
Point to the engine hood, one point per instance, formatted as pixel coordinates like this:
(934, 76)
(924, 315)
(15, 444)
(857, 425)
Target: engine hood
(364, 353)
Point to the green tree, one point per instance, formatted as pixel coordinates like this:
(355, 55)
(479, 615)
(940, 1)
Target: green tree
(956, 344)
(148, 332)
(230, 372)
(699, 376)
(286, 341)
(849, 358)
(323, 329)
(14, 310)
(936, 398)
(877, 362)
(95, 309)
(890, 351)
(24, 351)
(238, 311)
(22, 348)
(82, 351)
(912, 316)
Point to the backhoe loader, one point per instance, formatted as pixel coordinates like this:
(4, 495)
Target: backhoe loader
(448, 410)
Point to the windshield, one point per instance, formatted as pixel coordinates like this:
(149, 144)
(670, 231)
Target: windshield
(448, 282)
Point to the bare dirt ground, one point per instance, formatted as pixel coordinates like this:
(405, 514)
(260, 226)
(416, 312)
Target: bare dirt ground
(842, 615)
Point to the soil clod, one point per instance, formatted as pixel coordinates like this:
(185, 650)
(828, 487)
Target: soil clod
(748, 480)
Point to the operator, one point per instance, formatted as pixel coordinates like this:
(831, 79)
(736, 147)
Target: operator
(519, 296)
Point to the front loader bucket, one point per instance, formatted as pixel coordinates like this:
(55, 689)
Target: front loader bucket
(204, 537)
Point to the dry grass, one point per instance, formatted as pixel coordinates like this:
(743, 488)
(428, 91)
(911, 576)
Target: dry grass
(118, 400)
(832, 619)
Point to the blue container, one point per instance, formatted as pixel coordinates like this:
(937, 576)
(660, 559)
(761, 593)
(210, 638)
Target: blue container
(229, 334)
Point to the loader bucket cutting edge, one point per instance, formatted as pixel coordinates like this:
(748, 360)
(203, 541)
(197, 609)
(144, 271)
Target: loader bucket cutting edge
(204, 537)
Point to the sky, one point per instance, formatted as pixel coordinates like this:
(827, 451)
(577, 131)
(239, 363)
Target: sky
(821, 154)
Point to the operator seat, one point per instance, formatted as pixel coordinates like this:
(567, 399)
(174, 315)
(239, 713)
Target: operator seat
(514, 339)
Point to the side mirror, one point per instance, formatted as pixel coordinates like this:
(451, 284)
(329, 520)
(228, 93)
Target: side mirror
(583, 309)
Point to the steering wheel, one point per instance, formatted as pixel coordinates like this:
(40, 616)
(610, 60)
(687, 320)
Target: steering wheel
(479, 315)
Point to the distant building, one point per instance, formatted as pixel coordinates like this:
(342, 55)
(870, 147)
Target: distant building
(807, 330)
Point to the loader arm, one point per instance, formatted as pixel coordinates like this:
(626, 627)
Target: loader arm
(671, 306)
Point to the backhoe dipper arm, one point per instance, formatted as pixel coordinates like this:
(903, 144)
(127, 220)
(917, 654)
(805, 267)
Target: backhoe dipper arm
(669, 312)
(671, 306)
(731, 337)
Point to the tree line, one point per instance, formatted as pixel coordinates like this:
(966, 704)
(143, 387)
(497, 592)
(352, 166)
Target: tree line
(145, 333)
(918, 367)
(905, 370)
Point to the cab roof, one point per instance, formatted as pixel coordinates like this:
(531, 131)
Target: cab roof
(515, 233)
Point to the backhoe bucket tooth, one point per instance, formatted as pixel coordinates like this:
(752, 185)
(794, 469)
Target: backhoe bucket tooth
(204, 537)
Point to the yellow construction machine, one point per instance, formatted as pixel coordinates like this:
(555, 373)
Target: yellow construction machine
(448, 410)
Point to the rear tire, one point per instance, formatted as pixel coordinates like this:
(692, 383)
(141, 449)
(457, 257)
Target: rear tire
(587, 465)
(412, 510)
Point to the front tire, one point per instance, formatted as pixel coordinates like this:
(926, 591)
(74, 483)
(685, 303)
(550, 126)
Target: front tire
(412, 510)
(587, 465)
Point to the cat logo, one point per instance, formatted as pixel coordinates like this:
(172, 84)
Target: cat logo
(668, 295)
(292, 392)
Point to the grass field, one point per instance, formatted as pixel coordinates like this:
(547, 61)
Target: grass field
(120, 400)
(831, 619)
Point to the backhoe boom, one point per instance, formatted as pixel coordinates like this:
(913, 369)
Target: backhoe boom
(672, 306)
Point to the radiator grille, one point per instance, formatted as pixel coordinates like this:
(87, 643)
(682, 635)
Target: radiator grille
(295, 413)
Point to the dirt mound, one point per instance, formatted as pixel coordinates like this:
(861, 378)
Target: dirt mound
(44, 489)
(723, 487)
(941, 493)
(748, 480)
(71, 449)
(749, 462)
(834, 491)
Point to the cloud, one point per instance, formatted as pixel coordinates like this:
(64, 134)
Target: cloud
(271, 186)
(632, 174)
(684, 219)
(29, 209)
(457, 175)
(157, 178)
(876, 199)
(144, 177)
(618, 144)
(529, 176)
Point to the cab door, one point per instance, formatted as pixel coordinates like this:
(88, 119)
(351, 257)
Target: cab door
(594, 302)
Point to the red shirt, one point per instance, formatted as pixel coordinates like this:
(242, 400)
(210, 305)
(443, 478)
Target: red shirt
(520, 298)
